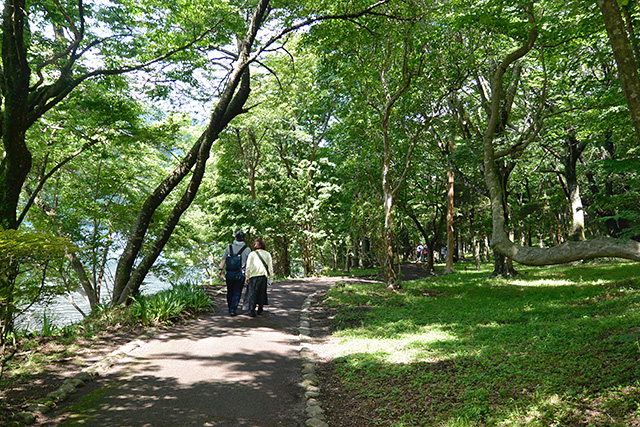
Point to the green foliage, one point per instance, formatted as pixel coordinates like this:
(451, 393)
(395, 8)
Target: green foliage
(182, 300)
(315, 110)
(555, 346)
(32, 246)
(32, 254)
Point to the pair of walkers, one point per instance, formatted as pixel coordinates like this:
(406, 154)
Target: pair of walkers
(244, 266)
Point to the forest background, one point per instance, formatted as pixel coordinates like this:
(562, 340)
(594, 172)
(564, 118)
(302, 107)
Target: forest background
(144, 134)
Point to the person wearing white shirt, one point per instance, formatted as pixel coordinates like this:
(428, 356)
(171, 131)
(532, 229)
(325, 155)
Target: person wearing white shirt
(258, 273)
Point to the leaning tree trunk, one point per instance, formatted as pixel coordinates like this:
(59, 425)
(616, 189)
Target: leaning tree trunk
(230, 104)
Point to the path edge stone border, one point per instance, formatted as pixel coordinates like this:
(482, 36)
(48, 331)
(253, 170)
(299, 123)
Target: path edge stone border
(313, 409)
(47, 404)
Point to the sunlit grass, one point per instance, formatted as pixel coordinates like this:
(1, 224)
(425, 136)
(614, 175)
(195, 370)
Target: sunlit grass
(404, 348)
(554, 346)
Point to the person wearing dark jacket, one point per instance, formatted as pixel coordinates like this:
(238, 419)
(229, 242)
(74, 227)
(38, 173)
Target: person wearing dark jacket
(234, 275)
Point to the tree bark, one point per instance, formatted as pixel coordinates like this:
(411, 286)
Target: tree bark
(16, 163)
(625, 59)
(500, 242)
(367, 261)
(16, 73)
(284, 260)
(574, 151)
(450, 234)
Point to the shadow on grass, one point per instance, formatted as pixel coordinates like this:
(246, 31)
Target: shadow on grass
(547, 348)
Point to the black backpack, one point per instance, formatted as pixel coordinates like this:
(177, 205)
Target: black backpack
(234, 264)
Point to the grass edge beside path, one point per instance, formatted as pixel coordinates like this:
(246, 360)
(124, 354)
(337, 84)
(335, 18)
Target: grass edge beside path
(555, 346)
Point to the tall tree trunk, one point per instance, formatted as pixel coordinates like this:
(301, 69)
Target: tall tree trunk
(282, 263)
(367, 260)
(625, 59)
(568, 178)
(475, 241)
(16, 163)
(356, 250)
(450, 214)
(577, 209)
(388, 267)
(503, 266)
(305, 241)
(476, 250)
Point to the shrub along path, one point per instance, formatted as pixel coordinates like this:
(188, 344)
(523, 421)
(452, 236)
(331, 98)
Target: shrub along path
(216, 371)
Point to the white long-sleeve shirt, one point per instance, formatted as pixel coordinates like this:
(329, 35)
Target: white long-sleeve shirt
(255, 267)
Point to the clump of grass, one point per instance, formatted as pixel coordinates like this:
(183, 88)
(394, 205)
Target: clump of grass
(180, 301)
(553, 346)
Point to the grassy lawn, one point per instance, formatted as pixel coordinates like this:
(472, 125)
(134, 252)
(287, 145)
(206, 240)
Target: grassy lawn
(555, 346)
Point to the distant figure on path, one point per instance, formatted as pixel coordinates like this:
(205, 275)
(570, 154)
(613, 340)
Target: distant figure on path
(234, 261)
(419, 252)
(259, 268)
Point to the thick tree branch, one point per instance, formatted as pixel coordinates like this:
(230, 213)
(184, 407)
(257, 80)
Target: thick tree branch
(43, 179)
(500, 242)
(43, 99)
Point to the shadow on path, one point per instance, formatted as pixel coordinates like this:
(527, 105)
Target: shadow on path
(215, 371)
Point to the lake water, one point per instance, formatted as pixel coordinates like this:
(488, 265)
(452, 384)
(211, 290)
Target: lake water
(61, 311)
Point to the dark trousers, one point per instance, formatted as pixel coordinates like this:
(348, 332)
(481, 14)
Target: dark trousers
(234, 293)
(257, 292)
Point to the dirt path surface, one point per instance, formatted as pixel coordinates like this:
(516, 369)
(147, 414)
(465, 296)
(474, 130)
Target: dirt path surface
(217, 371)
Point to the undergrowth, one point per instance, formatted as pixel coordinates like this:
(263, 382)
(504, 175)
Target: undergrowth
(182, 301)
(554, 346)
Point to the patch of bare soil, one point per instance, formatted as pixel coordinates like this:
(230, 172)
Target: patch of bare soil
(414, 271)
(341, 408)
(43, 366)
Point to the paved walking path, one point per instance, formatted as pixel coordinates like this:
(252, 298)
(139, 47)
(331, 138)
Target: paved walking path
(217, 371)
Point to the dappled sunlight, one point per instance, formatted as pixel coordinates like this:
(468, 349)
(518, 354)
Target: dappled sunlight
(533, 351)
(554, 409)
(541, 282)
(404, 348)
